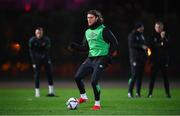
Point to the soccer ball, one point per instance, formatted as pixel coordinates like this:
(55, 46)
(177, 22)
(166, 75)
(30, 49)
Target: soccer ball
(72, 103)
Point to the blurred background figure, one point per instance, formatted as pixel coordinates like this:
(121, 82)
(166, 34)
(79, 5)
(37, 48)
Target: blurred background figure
(159, 44)
(138, 57)
(39, 46)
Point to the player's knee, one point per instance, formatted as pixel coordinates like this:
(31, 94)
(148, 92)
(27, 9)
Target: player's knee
(93, 83)
(77, 78)
(36, 75)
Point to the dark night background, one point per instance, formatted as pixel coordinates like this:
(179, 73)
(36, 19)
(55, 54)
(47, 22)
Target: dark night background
(64, 21)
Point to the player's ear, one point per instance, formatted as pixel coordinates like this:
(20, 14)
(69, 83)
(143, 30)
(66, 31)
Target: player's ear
(97, 18)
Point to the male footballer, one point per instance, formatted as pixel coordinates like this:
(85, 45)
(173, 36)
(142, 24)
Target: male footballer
(101, 45)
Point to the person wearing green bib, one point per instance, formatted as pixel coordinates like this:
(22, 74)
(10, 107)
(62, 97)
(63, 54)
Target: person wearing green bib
(102, 46)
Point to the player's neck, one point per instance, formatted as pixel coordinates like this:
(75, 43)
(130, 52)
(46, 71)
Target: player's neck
(95, 25)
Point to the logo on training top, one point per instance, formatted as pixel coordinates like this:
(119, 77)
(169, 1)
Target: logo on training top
(92, 35)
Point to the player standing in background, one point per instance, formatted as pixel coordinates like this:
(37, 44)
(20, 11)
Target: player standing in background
(101, 45)
(138, 56)
(159, 44)
(39, 46)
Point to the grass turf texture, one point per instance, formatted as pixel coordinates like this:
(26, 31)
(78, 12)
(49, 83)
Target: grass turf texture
(114, 101)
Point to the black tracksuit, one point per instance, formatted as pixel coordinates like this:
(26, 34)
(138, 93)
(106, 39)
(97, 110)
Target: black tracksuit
(94, 65)
(39, 52)
(159, 60)
(138, 58)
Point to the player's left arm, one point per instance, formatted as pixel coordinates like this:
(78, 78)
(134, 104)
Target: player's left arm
(110, 38)
(31, 52)
(168, 47)
(48, 43)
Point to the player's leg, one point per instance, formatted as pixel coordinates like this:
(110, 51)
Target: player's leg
(154, 70)
(83, 71)
(166, 81)
(132, 80)
(36, 69)
(98, 70)
(48, 69)
(139, 74)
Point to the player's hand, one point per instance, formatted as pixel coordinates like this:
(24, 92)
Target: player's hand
(163, 34)
(72, 47)
(115, 53)
(34, 66)
(43, 44)
(69, 48)
(144, 47)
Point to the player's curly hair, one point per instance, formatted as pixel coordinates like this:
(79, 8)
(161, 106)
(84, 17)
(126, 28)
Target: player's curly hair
(97, 14)
(39, 28)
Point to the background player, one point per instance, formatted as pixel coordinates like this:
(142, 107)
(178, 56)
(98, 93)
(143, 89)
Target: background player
(39, 46)
(138, 56)
(159, 44)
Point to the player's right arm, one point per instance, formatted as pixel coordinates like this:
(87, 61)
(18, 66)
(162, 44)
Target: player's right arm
(133, 42)
(80, 48)
(31, 52)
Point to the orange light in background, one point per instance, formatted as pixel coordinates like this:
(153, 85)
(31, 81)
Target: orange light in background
(6, 66)
(15, 47)
(22, 66)
(149, 52)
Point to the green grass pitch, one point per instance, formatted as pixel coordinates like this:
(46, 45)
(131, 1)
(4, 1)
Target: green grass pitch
(114, 101)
